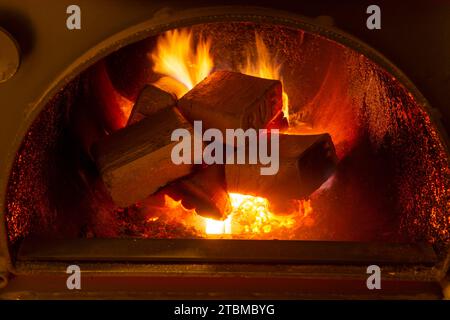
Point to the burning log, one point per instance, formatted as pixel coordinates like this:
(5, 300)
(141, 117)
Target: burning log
(150, 100)
(204, 191)
(231, 100)
(134, 162)
(305, 163)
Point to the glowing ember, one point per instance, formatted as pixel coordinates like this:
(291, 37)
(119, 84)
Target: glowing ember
(181, 66)
(218, 227)
(252, 215)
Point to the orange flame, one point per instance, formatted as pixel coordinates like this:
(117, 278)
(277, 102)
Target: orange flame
(181, 66)
(265, 66)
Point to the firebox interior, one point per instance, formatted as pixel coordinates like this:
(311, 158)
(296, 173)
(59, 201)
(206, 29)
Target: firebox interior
(391, 183)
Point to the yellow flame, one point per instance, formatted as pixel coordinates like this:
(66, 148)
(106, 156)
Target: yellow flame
(181, 66)
(218, 227)
(250, 218)
(264, 66)
(252, 215)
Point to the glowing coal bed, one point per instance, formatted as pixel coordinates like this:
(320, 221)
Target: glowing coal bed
(391, 183)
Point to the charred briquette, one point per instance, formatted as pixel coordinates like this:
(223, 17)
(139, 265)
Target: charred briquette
(151, 100)
(305, 163)
(231, 100)
(134, 162)
(130, 68)
(203, 191)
